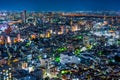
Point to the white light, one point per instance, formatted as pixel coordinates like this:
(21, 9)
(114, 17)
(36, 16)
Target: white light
(79, 59)
(31, 69)
(9, 68)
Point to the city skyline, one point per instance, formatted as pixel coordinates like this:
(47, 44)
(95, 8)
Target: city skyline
(60, 5)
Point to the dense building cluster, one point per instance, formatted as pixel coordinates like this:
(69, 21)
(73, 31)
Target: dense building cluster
(59, 46)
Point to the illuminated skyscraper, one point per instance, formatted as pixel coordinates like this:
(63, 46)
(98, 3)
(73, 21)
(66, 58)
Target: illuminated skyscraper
(24, 16)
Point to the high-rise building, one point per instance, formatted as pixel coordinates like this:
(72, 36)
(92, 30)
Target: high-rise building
(24, 16)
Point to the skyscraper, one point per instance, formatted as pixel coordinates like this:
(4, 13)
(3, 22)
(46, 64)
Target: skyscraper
(24, 16)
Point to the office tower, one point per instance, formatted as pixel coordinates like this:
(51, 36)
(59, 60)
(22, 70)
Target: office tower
(24, 16)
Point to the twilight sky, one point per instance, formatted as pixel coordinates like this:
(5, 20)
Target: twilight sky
(59, 5)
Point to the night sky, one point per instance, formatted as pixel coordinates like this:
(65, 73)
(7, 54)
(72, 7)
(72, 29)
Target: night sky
(60, 5)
